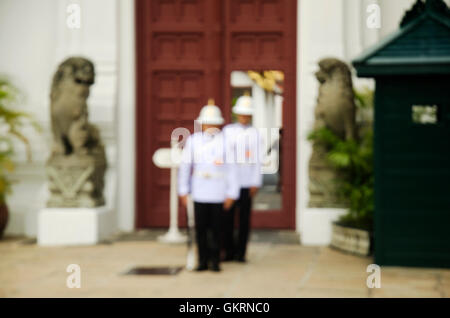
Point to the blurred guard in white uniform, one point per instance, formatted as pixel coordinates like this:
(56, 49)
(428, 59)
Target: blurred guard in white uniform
(247, 145)
(212, 183)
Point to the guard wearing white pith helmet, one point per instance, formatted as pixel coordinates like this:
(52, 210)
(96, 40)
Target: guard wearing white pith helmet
(212, 183)
(247, 145)
(210, 114)
(244, 105)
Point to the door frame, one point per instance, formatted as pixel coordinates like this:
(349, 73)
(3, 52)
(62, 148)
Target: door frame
(267, 219)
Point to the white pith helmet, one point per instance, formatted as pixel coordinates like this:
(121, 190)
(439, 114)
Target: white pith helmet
(244, 105)
(211, 114)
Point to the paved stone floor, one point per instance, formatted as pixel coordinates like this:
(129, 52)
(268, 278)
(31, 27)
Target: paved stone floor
(273, 270)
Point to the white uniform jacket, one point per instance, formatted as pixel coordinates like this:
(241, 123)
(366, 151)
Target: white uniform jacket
(204, 172)
(247, 144)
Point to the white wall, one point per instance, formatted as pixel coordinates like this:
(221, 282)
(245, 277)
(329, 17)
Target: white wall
(27, 58)
(35, 39)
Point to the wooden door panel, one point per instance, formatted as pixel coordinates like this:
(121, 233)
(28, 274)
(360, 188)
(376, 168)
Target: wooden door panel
(176, 11)
(175, 62)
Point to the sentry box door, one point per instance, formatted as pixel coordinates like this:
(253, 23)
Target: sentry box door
(412, 166)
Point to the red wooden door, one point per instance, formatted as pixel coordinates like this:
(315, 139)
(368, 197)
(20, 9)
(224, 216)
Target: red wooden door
(186, 50)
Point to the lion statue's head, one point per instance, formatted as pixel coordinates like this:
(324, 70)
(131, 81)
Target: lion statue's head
(76, 72)
(334, 69)
(335, 103)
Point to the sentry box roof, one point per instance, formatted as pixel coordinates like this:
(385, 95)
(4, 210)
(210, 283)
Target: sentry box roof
(420, 46)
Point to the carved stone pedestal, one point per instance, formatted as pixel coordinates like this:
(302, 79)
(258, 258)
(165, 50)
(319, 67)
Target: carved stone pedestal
(76, 180)
(323, 186)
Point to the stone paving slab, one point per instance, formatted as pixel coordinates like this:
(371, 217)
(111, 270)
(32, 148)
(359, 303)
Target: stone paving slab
(272, 270)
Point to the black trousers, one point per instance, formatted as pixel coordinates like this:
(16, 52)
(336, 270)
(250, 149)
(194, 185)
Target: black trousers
(243, 206)
(207, 230)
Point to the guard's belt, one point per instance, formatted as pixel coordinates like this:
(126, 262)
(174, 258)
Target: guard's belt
(208, 174)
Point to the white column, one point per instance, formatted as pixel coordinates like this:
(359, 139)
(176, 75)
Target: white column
(270, 108)
(320, 34)
(126, 107)
(259, 101)
(278, 111)
(354, 19)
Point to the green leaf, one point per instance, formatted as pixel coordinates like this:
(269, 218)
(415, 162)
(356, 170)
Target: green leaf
(15, 121)
(354, 160)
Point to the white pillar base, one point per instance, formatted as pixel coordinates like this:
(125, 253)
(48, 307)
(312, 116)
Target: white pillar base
(173, 236)
(316, 225)
(74, 226)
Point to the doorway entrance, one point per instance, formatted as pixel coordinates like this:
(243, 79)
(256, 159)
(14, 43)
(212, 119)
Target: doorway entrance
(187, 51)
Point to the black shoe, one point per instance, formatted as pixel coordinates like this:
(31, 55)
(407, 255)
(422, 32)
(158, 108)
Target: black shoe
(215, 268)
(240, 259)
(201, 268)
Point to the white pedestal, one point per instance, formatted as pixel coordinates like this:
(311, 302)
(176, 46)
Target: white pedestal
(316, 226)
(74, 226)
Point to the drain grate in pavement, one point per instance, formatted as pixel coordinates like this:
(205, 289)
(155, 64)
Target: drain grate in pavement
(154, 271)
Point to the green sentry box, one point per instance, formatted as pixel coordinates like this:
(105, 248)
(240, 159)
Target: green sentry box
(412, 151)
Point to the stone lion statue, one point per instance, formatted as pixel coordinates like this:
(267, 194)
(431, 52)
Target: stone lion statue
(335, 110)
(335, 107)
(69, 114)
(77, 163)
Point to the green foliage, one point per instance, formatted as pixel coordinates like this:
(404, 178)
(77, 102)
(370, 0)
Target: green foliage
(364, 97)
(233, 115)
(354, 160)
(12, 123)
